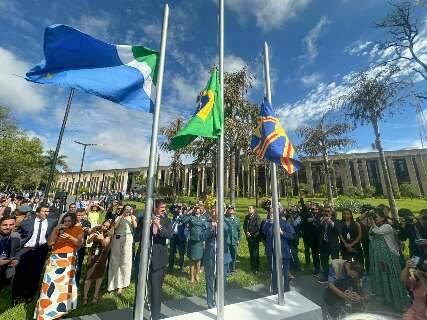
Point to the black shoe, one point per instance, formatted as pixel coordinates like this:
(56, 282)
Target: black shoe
(322, 280)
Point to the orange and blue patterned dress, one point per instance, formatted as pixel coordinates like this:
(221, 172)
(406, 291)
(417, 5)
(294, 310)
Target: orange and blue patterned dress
(58, 294)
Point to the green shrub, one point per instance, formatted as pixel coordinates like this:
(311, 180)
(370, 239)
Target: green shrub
(352, 204)
(355, 192)
(370, 191)
(408, 190)
(303, 188)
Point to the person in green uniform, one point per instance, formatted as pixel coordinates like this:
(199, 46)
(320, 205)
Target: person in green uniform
(233, 239)
(196, 223)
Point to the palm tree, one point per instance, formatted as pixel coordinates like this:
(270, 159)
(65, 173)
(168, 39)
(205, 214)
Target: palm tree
(61, 163)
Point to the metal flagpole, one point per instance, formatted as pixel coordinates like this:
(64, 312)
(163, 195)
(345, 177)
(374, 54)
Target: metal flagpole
(220, 178)
(143, 266)
(58, 146)
(275, 198)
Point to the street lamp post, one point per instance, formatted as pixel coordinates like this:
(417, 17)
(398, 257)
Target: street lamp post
(85, 145)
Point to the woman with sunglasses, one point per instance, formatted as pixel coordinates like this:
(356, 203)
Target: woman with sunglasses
(120, 266)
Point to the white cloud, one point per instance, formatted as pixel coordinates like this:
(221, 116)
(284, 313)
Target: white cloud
(311, 80)
(269, 14)
(310, 41)
(233, 63)
(312, 107)
(361, 150)
(15, 92)
(359, 48)
(96, 26)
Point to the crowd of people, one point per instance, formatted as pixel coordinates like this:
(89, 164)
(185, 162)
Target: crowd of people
(43, 250)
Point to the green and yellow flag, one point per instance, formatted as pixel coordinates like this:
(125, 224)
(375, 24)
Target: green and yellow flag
(207, 120)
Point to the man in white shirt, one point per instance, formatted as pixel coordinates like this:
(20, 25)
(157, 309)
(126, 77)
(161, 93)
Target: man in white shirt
(34, 233)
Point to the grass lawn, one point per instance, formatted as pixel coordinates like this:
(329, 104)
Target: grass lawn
(178, 286)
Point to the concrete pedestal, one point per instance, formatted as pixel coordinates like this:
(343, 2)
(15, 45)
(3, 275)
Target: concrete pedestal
(296, 307)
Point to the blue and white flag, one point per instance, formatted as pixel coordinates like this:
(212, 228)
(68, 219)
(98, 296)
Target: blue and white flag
(123, 74)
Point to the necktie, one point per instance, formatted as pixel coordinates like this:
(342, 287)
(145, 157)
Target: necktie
(325, 233)
(155, 229)
(39, 231)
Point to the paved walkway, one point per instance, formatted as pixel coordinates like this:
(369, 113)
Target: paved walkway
(306, 285)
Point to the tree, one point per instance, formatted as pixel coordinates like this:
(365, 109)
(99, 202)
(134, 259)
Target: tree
(322, 140)
(176, 164)
(21, 162)
(373, 95)
(7, 124)
(239, 118)
(61, 165)
(401, 26)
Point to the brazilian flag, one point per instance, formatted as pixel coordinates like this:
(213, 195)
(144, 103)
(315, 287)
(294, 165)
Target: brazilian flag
(207, 120)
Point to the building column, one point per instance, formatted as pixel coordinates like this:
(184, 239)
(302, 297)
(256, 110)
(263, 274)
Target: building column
(254, 182)
(382, 179)
(190, 177)
(421, 172)
(365, 173)
(213, 184)
(412, 173)
(309, 175)
(184, 181)
(343, 166)
(334, 177)
(357, 173)
(243, 180)
(202, 184)
(393, 177)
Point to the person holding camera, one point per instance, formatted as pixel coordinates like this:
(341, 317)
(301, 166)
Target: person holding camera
(347, 288)
(329, 245)
(85, 224)
(58, 294)
(10, 244)
(415, 278)
(310, 234)
(120, 266)
(100, 238)
(385, 267)
(179, 240)
(411, 229)
(95, 214)
(234, 239)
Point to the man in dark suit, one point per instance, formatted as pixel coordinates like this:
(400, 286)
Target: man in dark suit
(329, 230)
(10, 244)
(287, 233)
(251, 227)
(161, 229)
(34, 233)
(179, 239)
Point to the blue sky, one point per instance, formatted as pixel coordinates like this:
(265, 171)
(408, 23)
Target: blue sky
(314, 44)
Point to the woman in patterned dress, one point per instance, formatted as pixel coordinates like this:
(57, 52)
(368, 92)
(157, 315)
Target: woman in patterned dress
(58, 294)
(384, 263)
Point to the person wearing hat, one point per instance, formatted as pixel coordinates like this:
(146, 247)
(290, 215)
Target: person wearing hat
(232, 241)
(22, 213)
(196, 223)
